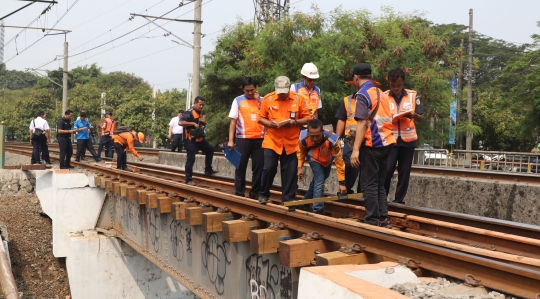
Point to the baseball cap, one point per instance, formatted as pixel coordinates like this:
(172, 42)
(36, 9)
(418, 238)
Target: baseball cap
(108, 112)
(362, 69)
(282, 84)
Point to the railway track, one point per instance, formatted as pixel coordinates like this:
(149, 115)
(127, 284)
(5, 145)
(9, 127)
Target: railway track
(502, 255)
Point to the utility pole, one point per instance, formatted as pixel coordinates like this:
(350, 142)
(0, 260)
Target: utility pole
(267, 11)
(197, 34)
(459, 114)
(154, 142)
(65, 87)
(468, 145)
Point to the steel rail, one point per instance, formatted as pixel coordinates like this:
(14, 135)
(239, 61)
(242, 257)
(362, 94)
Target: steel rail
(140, 150)
(505, 277)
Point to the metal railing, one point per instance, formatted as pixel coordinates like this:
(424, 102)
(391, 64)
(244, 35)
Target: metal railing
(479, 160)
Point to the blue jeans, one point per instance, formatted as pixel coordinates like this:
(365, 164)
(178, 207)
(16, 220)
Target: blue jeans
(316, 188)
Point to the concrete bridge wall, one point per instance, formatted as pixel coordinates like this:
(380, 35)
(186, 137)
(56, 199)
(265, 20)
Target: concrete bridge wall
(517, 202)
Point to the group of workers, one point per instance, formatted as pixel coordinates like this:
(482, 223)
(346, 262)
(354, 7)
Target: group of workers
(122, 141)
(283, 127)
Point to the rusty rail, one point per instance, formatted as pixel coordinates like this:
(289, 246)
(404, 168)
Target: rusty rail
(7, 281)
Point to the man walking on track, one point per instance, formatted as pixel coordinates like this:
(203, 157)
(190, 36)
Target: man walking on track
(404, 131)
(249, 137)
(375, 141)
(282, 113)
(176, 133)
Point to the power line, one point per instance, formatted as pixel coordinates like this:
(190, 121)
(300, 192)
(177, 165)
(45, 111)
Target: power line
(142, 57)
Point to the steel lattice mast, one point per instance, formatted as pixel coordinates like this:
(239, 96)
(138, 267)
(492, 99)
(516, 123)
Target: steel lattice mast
(267, 11)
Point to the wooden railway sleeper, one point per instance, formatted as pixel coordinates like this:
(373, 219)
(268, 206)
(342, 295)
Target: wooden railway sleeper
(472, 281)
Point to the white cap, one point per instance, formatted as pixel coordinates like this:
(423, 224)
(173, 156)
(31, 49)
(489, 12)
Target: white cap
(282, 84)
(310, 70)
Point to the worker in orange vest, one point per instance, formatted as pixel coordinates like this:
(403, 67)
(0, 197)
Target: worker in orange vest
(374, 140)
(249, 135)
(320, 147)
(106, 141)
(409, 106)
(282, 113)
(123, 142)
(307, 87)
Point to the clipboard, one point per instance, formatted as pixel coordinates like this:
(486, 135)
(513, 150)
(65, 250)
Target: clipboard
(402, 114)
(233, 156)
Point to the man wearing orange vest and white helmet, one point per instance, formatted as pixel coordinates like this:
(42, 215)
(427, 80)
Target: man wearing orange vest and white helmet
(123, 142)
(374, 140)
(307, 87)
(404, 131)
(249, 137)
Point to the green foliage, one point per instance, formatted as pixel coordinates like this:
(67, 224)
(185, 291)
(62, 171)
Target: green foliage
(16, 80)
(335, 43)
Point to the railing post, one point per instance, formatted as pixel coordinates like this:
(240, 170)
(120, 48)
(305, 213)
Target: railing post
(482, 164)
(529, 168)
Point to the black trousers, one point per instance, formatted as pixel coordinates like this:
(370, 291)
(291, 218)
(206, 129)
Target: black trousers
(249, 148)
(289, 175)
(82, 146)
(192, 148)
(121, 156)
(351, 173)
(176, 142)
(374, 165)
(66, 150)
(107, 142)
(39, 145)
(403, 156)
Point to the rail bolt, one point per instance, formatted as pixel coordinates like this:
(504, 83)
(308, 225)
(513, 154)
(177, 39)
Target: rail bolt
(470, 280)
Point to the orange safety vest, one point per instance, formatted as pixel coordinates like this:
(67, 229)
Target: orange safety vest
(350, 108)
(314, 96)
(194, 118)
(108, 126)
(379, 131)
(403, 126)
(247, 125)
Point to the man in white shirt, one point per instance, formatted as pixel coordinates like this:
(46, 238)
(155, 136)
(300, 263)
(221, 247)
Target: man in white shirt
(176, 133)
(39, 138)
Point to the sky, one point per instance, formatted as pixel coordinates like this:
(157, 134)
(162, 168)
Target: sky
(147, 53)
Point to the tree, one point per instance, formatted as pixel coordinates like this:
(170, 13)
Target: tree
(16, 80)
(335, 43)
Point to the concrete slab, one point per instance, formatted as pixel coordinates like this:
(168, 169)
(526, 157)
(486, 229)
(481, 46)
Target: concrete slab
(105, 267)
(335, 282)
(386, 277)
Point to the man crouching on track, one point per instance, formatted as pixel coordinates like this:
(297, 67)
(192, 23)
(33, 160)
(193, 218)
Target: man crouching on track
(282, 113)
(122, 142)
(320, 146)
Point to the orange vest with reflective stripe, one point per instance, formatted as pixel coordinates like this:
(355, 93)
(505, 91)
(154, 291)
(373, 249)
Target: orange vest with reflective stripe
(403, 126)
(379, 131)
(313, 97)
(247, 125)
(350, 108)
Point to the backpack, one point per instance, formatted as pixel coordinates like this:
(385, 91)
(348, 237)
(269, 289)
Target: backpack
(122, 129)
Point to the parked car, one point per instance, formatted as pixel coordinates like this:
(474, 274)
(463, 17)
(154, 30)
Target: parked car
(435, 157)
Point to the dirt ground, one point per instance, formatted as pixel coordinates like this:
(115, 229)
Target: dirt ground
(37, 272)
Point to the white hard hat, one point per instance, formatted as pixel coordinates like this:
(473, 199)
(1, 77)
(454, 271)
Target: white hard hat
(310, 70)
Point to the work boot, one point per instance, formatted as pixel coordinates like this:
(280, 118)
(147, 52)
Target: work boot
(263, 200)
(98, 159)
(127, 169)
(211, 172)
(385, 223)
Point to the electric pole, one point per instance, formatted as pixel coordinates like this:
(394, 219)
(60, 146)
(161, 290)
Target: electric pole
(197, 48)
(65, 87)
(459, 113)
(267, 11)
(469, 87)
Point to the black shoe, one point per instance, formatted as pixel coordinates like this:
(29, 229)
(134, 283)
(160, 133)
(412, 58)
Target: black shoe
(385, 223)
(49, 162)
(70, 167)
(263, 200)
(127, 169)
(83, 158)
(98, 159)
(211, 172)
(77, 160)
(292, 209)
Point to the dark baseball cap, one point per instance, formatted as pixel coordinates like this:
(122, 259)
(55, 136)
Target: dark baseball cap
(362, 69)
(108, 112)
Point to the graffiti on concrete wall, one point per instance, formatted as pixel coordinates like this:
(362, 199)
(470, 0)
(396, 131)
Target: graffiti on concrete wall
(153, 228)
(215, 259)
(267, 280)
(180, 239)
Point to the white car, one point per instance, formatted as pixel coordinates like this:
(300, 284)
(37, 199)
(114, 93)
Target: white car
(435, 157)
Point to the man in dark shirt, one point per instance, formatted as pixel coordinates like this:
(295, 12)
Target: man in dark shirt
(64, 139)
(191, 120)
